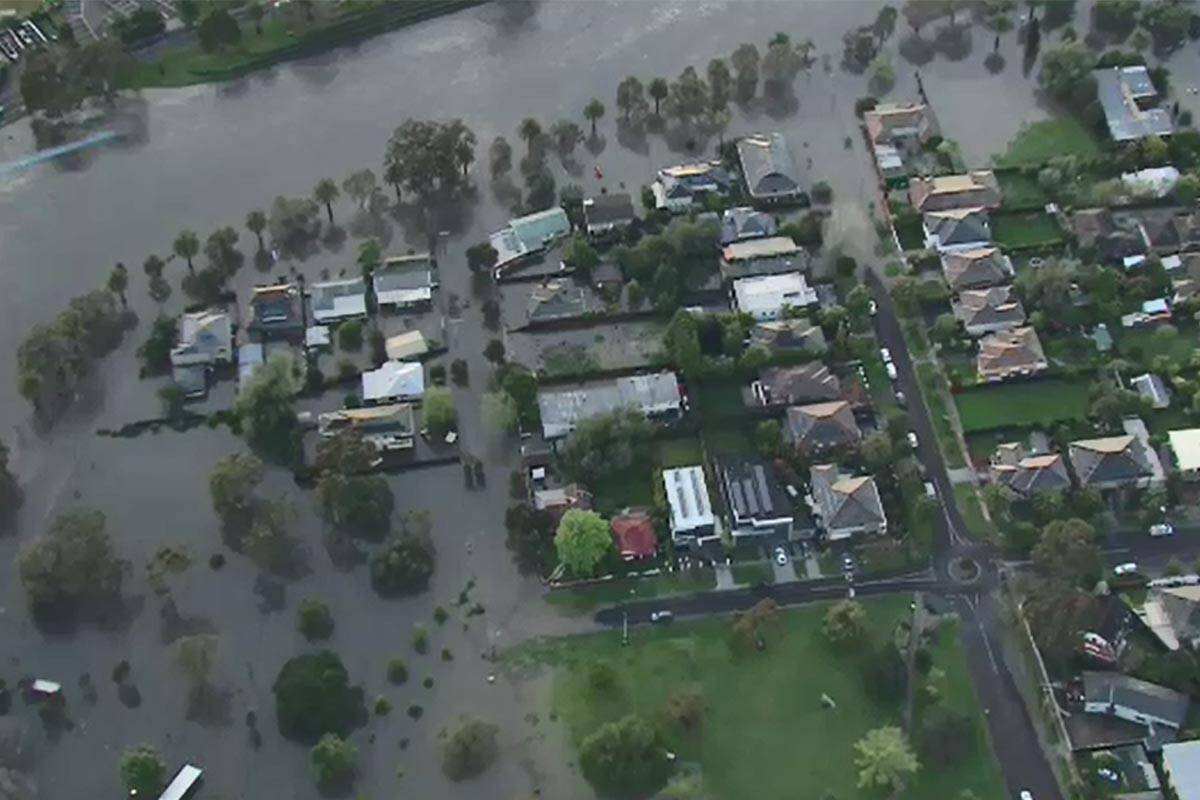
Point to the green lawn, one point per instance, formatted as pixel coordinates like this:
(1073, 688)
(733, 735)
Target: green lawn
(1039, 142)
(972, 510)
(1143, 344)
(1038, 403)
(1020, 190)
(678, 452)
(1026, 229)
(933, 388)
(765, 734)
(753, 572)
(586, 599)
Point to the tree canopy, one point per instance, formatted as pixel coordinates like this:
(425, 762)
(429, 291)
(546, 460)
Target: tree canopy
(265, 408)
(845, 623)
(333, 761)
(405, 564)
(425, 156)
(884, 759)
(351, 501)
(313, 697)
(11, 495)
(604, 445)
(625, 758)
(469, 749)
(582, 541)
(143, 770)
(71, 563)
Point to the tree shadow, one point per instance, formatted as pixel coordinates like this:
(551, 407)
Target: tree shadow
(263, 261)
(317, 71)
(916, 50)
(344, 553)
(954, 41)
(110, 614)
(595, 144)
(780, 103)
(365, 225)
(233, 88)
(506, 192)
(129, 695)
(334, 238)
(271, 593)
(632, 136)
(174, 626)
(454, 213)
(209, 705)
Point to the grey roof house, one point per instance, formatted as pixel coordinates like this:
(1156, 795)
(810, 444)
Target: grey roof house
(773, 255)
(756, 501)
(767, 165)
(331, 301)
(845, 505)
(656, 395)
(1111, 461)
(276, 312)
(557, 299)
(1025, 474)
(957, 229)
(691, 517)
(680, 187)
(1130, 103)
(1151, 387)
(404, 281)
(745, 222)
(807, 383)
(1114, 236)
(528, 235)
(1128, 698)
(607, 212)
(988, 310)
(821, 426)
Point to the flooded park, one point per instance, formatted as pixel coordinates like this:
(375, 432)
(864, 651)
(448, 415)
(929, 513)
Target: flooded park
(202, 157)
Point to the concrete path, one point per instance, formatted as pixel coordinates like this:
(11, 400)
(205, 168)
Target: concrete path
(725, 577)
(961, 475)
(812, 568)
(784, 573)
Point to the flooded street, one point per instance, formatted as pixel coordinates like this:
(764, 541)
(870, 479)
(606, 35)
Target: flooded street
(202, 158)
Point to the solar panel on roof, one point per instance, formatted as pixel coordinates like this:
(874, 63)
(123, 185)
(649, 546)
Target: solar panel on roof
(764, 496)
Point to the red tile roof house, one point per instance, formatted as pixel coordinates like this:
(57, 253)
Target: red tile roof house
(633, 534)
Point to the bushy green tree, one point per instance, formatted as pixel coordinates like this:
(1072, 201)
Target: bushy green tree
(884, 759)
(582, 541)
(143, 770)
(72, 563)
(313, 697)
(265, 407)
(314, 620)
(438, 409)
(845, 623)
(469, 749)
(625, 758)
(333, 761)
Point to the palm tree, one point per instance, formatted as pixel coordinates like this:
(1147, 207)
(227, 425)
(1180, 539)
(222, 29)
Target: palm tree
(593, 111)
(186, 246)
(325, 193)
(530, 131)
(118, 280)
(256, 221)
(658, 91)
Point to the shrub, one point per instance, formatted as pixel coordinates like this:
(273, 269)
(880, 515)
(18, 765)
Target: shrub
(143, 770)
(383, 706)
(333, 761)
(313, 697)
(469, 750)
(440, 615)
(350, 335)
(314, 620)
(427, 682)
(420, 639)
(397, 671)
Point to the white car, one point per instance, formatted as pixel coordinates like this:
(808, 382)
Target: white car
(1026, 795)
(886, 355)
(1128, 568)
(890, 368)
(781, 557)
(930, 491)
(873, 308)
(912, 439)
(1162, 529)
(661, 616)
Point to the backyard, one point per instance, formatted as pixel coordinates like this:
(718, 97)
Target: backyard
(1010, 405)
(1040, 141)
(1028, 229)
(1020, 190)
(765, 733)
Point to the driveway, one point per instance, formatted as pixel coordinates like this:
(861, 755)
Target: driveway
(784, 573)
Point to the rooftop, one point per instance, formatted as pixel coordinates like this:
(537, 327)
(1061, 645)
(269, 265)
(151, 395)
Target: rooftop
(394, 380)
(562, 408)
(1148, 698)
(753, 492)
(768, 166)
(341, 299)
(404, 280)
(1186, 446)
(766, 296)
(1181, 761)
(687, 497)
(1127, 94)
(608, 209)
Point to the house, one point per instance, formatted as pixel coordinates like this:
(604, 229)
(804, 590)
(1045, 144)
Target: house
(767, 166)
(317, 337)
(1181, 768)
(1151, 387)
(1114, 237)
(976, 268)
(557, 299)
(774, 255)
(1007, 354)
(793, 333)
(900, 123)
(1172, 613)
(562, 408)
(1027, 474)
(1130, 102)
(529, 235)
(1152, 311)
(957, 229)
(607, 277)
(331, 301)
(561, 499)
(1170, 232)
(821, 426)
(1127, 698)
(890, 164)
(205, 338)
(984, 311)
(691, 516)
(756, 501)
(744, 222)
(769, 297)
(404, 281)
(633, 535)
(680, 187)
(394, 380)
(977, 189)
(1114, 461)
(607, 212)
(408, 346)
(388, 427)
(276, 312)
(1185, 445)
(806, 383)
(1155, 182)
(845, 505)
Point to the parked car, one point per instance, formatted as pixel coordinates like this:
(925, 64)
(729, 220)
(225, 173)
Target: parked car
(1128, 568)
(873, 307)
(912, 439)
(901, 399)
(1162, 529)
(781, 557)
(886, 355)
(1026, 795)
(661, 616)
(890, 369)
(930, 491)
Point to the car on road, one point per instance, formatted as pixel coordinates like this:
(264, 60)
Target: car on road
(930, 490)
(1128, 568)
(1162, 529)
(901, 399)
(781, 557)
(874, 309)
(886, 355)
(661, 616)
(890, 369)
(848, 563)
(912, 440)
(1026, 795)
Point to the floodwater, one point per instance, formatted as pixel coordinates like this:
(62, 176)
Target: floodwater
(201, 158)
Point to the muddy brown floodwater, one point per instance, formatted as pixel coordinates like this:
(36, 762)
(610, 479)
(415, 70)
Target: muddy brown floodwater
(204, 156)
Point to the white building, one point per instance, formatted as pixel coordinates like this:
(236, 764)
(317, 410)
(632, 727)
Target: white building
(692, 519)
(767, 297)
(205, 337)
(395, 380)
(562, 408)
(331, 301)
(1181, 765)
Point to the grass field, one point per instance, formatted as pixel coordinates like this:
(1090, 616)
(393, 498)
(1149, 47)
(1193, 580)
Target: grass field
(586, 599)
(972, 510)
(753, 573)
(1026, 229)
(1039, 142)
(765, 733)
(1143, 344)
(933, 388)
(1010, 405)
(1020, 190)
